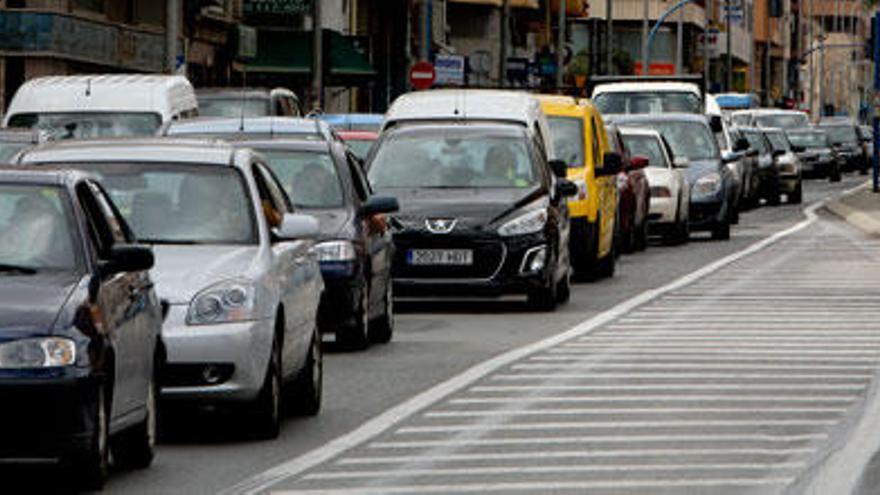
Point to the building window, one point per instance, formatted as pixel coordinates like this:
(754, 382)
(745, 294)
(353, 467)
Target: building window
(92, 5)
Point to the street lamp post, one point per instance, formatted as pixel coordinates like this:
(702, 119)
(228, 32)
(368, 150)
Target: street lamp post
(728, 82)
(645, 21)
(560, 46)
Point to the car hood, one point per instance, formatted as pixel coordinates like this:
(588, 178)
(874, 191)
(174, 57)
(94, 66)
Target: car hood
(471, 206)
(31, 304)
(334, 223)
(181, 272)
(700, 168)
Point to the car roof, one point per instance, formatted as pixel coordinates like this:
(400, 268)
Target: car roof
(639, 131)
(352, 118)
(39, 175)
(281, 144)
(623, 119)
(465, 104)
(249, 125)
(630, 87)
(158, 150)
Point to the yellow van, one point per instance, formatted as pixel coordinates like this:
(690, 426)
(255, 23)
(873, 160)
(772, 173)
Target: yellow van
(578, 137)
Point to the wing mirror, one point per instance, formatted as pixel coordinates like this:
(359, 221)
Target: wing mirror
(559, 168)
(730, 157)
(128, 258)
(715, 123)
(639, 162)
(798, 149)
(778, 153)
(612, 164)
(566, 188)
(378, 205)
(681, 162)
(296, 226)
(741, 144)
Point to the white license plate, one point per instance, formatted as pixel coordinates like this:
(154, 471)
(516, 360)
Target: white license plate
(449, 257)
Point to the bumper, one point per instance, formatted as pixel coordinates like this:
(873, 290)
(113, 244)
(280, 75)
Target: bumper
(706, 213)
(238, 353)
(504, 275)
(340, 300)
(44, 416)
(816, 169)
(662, 210)
(788, 184)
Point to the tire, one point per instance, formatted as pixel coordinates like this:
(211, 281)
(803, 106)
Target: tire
(607, 265)
(136, 448)
(307, 390)
(266, 408)
(796, 197)
(773, 196)
(544, 298)
(91, 464)
(642, 239)
(584, 261)
(835, 175)
(356, 336)
(563, 289)
(734, 217)
(721, 231)
(381, 330)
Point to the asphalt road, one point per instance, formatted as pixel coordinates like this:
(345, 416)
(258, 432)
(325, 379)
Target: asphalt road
(207, 452)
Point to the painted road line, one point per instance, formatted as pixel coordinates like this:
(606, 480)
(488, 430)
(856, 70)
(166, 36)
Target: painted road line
(623, 411)
(394, 415)
(693, 359)
(599, 439)
(629, 387)
(683, 374)
(616, 424)
(746, 396)
(732, 366)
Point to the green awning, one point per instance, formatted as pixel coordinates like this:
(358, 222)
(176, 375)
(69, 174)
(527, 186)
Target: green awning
(290, 52)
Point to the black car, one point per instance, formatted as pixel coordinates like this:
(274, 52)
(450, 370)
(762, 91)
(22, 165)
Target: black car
(324, 179)
(768, 175)
(79, 327)
(482, 212)
(713, 188)
(847, 141)
(817, 155)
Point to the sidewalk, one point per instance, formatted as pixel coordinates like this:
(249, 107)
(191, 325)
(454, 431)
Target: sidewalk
(860, 208)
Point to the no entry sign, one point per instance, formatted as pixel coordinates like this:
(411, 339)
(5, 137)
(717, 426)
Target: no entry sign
(422, 75)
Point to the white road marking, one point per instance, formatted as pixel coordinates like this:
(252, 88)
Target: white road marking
(708, 350)
(684, 374)
(747, 396)
(752, 367)
(614, 425)
(393, 416)
(710, 387)
(624, 357)
(622, 411)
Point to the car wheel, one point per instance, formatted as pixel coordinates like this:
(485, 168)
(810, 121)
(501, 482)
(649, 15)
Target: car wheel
(734, 217)
(721, 232)
(356, 337)
(563, 288)
(607, 265)
(546, 297)
(773, 196)
(835, 175)
(672, 235)
(642, 243)
(584, 261)
(797, 196)
(307, 389)
(382, 328)
(266, 408)
(91, 464)
(136, 448)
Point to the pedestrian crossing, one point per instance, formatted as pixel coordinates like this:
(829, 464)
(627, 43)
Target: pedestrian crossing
(740, 382)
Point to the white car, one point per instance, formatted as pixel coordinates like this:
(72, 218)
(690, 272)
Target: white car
(670, 191)
(234, 267)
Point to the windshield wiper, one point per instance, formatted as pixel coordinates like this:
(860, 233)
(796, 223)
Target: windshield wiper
(24, 270)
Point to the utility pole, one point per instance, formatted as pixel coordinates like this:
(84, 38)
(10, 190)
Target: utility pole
(767, 67)
(728, 81)
(502, 53)
(645, 62)
(317, 57)
(609, 10)
(172, 26)
(679, 42)
(812, 59)
(560, 47)
(707, 15)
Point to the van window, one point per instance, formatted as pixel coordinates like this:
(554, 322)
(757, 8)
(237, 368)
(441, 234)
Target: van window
(642, 102)
(83, 125)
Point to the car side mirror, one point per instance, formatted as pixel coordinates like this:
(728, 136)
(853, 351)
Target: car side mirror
(639, 162)
(612, 164)
(378, 205)
(778, 153)
(128, 258)
(741, 144)
(681, 162)
(730, 157)
(566, 188)
(559, 168)
(798, 149)
(295, 226)
(715, 123)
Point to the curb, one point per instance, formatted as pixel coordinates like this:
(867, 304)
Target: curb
(854, 216)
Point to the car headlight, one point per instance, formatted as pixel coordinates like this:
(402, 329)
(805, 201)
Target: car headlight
(527, 223)
(335, 251)
(707, 185)
(223, 303)
(37, 353)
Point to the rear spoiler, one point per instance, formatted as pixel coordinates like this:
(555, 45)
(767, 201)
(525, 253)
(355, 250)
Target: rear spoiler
(684, 78)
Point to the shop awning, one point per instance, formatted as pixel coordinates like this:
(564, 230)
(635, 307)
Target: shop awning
(290, 52)
(524, 4)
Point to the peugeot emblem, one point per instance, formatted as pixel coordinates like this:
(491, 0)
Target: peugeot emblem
(440, 225)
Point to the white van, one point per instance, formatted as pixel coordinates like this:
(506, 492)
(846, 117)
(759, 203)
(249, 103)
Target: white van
(444, 105)
(88, 106)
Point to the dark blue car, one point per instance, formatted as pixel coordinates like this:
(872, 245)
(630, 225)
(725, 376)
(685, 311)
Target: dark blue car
(79, 327)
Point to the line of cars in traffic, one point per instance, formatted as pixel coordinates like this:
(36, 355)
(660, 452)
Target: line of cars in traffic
(202, 262)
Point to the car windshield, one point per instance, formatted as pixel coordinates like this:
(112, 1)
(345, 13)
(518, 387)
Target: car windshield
(233, 106)
(692, 140)
(756, 142)
(841, 133)
(37, 230)
(310, 178)
(783, 120)
(808, 139)
(647, 146)
(180, 204)
(360, 147)
(458, 157)
(568, 139)
(648, 102)
(778, 141)
(84, 125)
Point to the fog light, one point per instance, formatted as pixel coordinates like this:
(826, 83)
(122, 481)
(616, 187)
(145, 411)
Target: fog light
(534, 260)
(212, 375)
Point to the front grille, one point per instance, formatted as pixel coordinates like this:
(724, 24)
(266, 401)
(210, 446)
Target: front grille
(488, 257)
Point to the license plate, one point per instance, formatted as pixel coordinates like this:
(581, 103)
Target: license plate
(454, 257)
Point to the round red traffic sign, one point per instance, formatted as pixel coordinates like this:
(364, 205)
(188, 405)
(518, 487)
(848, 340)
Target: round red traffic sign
(422, 75)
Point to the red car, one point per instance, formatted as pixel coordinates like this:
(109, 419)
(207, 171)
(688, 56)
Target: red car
(359, 142)
(634, 196)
